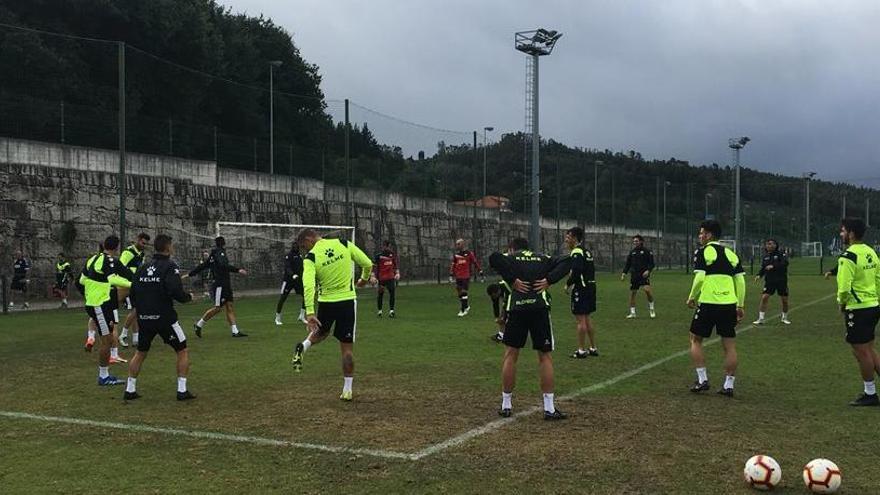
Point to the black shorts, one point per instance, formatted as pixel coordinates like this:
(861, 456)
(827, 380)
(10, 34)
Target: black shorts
(388, 284)
(583, 300)
(341, 317)
(638, 281)
(222, 294)
(721, 317)
(291, 284)
(103, 316)
(860, 324)
(776, 287)
(529, 323)
(462, 283)
(170, 332)
(19, 285)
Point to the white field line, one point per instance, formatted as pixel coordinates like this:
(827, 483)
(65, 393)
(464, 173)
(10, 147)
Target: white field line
(387, 454)
(207, 435)
(498, 423)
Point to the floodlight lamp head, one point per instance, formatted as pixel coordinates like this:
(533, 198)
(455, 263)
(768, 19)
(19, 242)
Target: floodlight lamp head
(738, 143)
(276, 63)
(538, 42)
(489, 128)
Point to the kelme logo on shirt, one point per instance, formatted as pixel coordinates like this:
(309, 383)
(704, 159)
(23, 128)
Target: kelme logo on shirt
(328, 253)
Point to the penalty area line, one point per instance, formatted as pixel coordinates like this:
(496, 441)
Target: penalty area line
(208, 435)
(498, 423)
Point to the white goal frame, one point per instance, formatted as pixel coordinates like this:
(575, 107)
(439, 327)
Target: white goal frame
(351, 228)
(811, 249)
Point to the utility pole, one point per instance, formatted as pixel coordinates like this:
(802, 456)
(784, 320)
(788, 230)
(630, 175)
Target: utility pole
(122, 185)
(736, 144)
(596, 192)
(272, 65)
(807, 178)
(347, 164)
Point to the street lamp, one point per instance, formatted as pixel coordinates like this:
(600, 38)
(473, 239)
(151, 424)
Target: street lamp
(537, 43)
(808, 176)
(273, 64)
(485, 130)
(737, 144)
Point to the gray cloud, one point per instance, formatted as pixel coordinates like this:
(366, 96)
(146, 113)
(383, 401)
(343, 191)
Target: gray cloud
(666, 78)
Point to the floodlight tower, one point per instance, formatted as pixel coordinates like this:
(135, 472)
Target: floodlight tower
(808, 176)
(536, 44)
(737, 144)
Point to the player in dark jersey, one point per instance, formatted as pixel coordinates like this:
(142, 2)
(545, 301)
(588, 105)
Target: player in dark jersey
(582, 287)
(63, 275)
(529, 274)
(639, 264)
(499, 293)
(460, 273)
(292, 280)
(132, 257)
(774, 269)
(20, 270)
(221, 288)
(386, 272)
(718, 293)
(155, 288)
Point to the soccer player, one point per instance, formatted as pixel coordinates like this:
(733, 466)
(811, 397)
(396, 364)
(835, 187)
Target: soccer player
(460, 273)
(858, 282)
(132, 258)
(156, 286)
(293, 270)
(774, 269)
(582, 286)
(327, 264)
(529, 274)
(499, 292)
(221, 288)
(718, 293)
(386, 272)
(20, 270)
(639, 264)
(62, 279)
(102, 272)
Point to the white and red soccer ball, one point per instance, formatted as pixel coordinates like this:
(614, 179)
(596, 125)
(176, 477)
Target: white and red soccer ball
(822, 476)
(762, 472)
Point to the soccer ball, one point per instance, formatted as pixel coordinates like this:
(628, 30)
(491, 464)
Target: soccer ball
(822, 476)
(762, 472)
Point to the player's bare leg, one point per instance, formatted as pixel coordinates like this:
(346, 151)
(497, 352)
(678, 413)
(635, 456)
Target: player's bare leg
(114, 350)
(347, 350)
(762, 309)
(129, 323)
(730, 364)
(210, 313)
(90, 335)
(380, 296)
(866, 356)
(632, 304)
(314, 337)
(585, 331)
(545, 370)
(699, 361)
(230, 318)
(104, 376)
(508, 379)
(785, 319)
(649, 293)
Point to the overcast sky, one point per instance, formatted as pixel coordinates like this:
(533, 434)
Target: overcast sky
(670, 78)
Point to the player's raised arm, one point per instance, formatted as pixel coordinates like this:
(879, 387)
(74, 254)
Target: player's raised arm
(558, 268)
(174, 286)
(501, 264)
(202, 266)
(117, 274)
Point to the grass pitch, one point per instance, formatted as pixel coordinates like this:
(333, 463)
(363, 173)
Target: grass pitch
(425, 378)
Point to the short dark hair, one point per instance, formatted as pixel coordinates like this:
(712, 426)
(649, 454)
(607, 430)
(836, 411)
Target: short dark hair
(855, 226)
(386, 242)
(163, 242)
(305, 234)
(111, 243)
(774, 241)
(519, 243)
(145, 236)
(577, 233)
(711, 226)
(639, 237)
(220, 241)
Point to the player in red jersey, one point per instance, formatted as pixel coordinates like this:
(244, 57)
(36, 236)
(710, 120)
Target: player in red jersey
(386, 271)
(460, 273)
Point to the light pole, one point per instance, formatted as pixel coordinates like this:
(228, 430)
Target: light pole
(745, 233)
(666, 184)
(272, 66)
(736, 144)
(706, 215)
(537, 43)
(772, 214)
(807, 178)
(596, 191)
(485, 130)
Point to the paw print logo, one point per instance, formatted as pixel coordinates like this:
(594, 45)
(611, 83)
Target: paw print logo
(150, 270)
(329, 253)
(851, 324)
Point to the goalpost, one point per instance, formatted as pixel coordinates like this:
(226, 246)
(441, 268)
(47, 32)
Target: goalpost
(811, 249)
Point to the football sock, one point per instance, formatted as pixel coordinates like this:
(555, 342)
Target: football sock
(277, 316)
(728, 381)
(91, 334)
(581, 350)
(64, 301)
(548, 403)
(181, 384)
(501, 334)
(134, 338)
(870, 388)
(346, 383)
(701, 375)
(784, 315)
(505, 400)
(114, 352)
(651, 305)
(124, 333)
(379, 301)
(632, 310)
(103, 371)
(306, 344)
(131, 385)
(234, 329)
(761, 315)
(302, 314)
(200, 323)
(464, 302)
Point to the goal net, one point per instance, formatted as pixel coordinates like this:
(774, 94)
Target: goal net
(259, 248)
(811, 249)
(729, 243)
